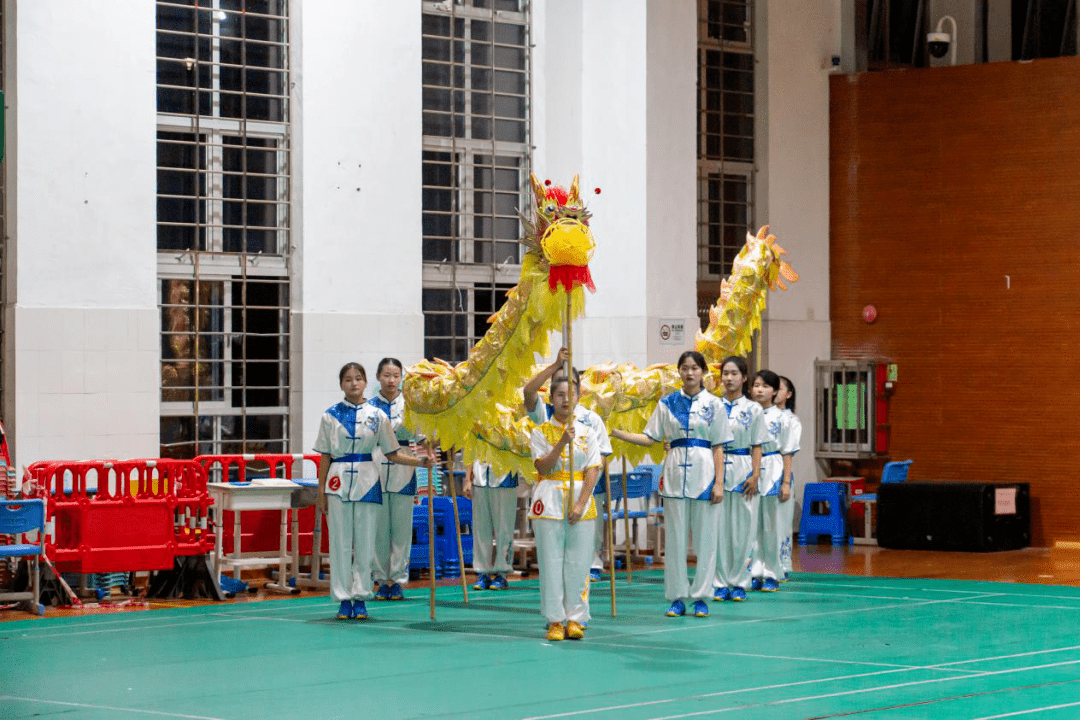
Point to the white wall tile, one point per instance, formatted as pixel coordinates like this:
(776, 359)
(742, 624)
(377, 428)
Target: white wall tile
(104, 329)
(50, 372)
(96, 376)
(73, 363)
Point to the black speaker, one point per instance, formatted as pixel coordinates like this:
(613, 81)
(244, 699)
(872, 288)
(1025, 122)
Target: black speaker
(979, 517)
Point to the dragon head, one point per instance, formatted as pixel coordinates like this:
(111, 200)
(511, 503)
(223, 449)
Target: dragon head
(559, 232)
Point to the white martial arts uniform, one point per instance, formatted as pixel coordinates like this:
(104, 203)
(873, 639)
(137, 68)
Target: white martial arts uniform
(693, 426)
(563, 550)
(348, 434)
(393, 532)
(766, 554)
(587, 417)
(494, 508)
(787, 509)
(738, 513)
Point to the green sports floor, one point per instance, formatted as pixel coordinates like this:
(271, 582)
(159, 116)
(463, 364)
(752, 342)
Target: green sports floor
(824, 646)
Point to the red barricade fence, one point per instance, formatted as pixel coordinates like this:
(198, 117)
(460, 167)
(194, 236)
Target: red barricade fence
(260, 529)
(123, 515)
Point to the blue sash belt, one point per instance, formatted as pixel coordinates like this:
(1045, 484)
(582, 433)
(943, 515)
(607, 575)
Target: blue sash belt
(736, 451)
(690, 442)
(774, 452)
(355, 457)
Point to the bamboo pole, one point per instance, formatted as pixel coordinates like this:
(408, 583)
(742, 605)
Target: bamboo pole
(610, 531)
(626, 517)
(457, 521)
(431, 529)
(569, 337)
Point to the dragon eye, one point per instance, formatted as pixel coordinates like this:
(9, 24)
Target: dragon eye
(549, 209)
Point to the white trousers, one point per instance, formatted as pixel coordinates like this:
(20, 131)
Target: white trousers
(601, 529)
(564, 552)
(493, 513)
(787, 522)
(393, 539)
(767, 543)
(352, 543)
(738, 528)
(682, 519)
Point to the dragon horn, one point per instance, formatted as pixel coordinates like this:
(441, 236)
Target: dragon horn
(538, 190)
(574, 198)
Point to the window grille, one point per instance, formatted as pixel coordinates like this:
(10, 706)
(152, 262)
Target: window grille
(476, 158)
(3, 219)
(844, 394)
(726, 84)
(224, 225)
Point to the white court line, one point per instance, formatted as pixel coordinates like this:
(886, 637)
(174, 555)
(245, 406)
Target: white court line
(879, 688)
(761, 656)
(802, 616)
(127, 629)
(108, 707)
(943, 590)
(47, 628)
(798, 683)
(1028, 712)
(1026, 607)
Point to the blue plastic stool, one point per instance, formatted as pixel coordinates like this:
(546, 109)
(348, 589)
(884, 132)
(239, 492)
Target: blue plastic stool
(833, 522)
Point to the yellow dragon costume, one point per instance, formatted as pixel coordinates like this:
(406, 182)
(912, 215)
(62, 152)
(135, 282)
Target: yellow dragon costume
(475, 405)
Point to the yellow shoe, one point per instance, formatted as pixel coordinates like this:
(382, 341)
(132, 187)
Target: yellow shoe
(555, 632)
(574, 631)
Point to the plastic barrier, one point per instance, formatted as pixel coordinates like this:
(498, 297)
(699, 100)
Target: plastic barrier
(260, 529)
(106, 516)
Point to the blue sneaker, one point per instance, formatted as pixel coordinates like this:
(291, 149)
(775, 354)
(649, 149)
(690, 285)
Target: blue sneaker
(499, 583)
(594, 575)
(383, 593)
(677, 609)
(738, 594)
(701, 609)
(345, 611)
(755, 584)
(770, 585)
(395, 592)
(721, 594)
(483, 582)
(359, 610)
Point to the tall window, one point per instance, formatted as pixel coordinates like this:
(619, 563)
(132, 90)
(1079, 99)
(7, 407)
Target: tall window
(223, 225)
(476, 66)
(725, 138)
(3, 215)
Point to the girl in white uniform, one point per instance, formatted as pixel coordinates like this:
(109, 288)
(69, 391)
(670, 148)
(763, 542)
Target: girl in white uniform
(563, 524)
(494, 508)
(765, 571)
(785, 400)
(539, 413)
(349, 489)
(693, 423)
(393, 532)
(738, 517)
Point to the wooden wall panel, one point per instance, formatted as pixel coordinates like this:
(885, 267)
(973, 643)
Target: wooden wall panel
(943, 183)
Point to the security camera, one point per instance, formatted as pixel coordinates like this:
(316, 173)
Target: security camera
(938, 43)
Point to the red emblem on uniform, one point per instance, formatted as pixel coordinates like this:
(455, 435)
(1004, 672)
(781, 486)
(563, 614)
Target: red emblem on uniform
(538, 508)
(334, 484)
(661, 484)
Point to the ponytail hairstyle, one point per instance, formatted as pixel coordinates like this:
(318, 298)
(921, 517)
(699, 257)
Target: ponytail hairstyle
(790, 403)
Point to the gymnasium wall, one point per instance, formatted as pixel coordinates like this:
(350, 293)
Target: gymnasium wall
(954, 205)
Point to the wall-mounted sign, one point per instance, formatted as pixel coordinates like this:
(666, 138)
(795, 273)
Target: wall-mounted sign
(672, 332)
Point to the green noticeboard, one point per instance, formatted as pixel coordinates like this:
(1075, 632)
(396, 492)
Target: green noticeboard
(849, 398)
